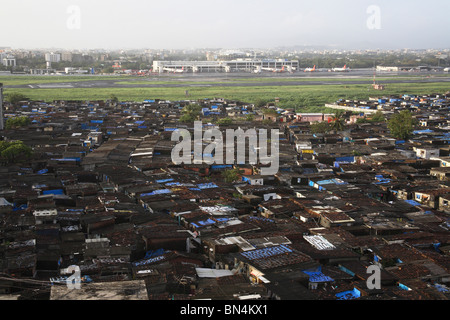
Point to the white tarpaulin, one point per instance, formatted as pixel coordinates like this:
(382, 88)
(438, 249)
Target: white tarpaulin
(213, 273)
(4, 202)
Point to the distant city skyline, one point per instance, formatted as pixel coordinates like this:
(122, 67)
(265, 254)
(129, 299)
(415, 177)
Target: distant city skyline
(176, 24)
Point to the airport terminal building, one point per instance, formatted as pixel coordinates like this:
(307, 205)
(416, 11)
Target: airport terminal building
(238, 65)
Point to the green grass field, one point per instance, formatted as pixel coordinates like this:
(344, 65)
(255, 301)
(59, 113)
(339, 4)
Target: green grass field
(306, 98)
(26, 79)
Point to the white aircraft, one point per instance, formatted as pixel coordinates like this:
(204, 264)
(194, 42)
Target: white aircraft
(175, 70)
(274, 69)
(344, 69)
(257, 69)
(311, 69)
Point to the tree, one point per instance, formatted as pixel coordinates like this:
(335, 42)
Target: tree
(187, 118)
(378, 117)
(225, 121)
(250, 117)
(113, 98)
(191, 112)
(337, 121)
(320, 127)
(14, 151)
(231, 175)
(17, 122)
(259, 103)
(402, 124)
(15, 97)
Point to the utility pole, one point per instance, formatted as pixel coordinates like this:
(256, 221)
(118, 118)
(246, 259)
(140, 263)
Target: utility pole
(1, 107)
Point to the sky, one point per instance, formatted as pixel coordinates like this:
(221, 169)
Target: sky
(185, 24)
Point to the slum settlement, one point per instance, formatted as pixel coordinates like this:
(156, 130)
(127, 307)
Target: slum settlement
(91, 186)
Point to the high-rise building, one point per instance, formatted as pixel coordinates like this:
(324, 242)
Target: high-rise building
(66, 56)
(52, 57)
(9, 61)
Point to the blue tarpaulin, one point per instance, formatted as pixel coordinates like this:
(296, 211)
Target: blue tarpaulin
(161, 191)
(317, 275)
(345, 159)
(164, 180)
(266, 252)
(220, 166)
(422, 131)
(206, 222)
(207, 185)
(349, 295)
(403, 287)
(154, 253)
(412, 202)
(347, 271)
(148, 261)
(260, 219)
(55, 191)
(380, 179)
(22, 207)
(170, 184)
(441, 288)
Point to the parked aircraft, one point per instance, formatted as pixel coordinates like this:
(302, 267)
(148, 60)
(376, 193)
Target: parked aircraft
(275, 69)
(343, 69)
(175, 70)
(257, 69)
(311, 69)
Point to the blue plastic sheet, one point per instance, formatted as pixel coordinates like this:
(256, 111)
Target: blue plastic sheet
(349, 295)
(207, 185)
(266, 252)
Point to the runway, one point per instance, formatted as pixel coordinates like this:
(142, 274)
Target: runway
(354, 77)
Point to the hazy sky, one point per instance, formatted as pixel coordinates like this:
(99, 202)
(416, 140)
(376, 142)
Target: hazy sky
(112, 24)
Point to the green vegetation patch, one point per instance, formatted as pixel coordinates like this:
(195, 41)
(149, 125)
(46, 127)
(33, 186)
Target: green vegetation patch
(303, 98)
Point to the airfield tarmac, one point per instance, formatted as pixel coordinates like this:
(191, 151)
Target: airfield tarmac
(238, 79)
